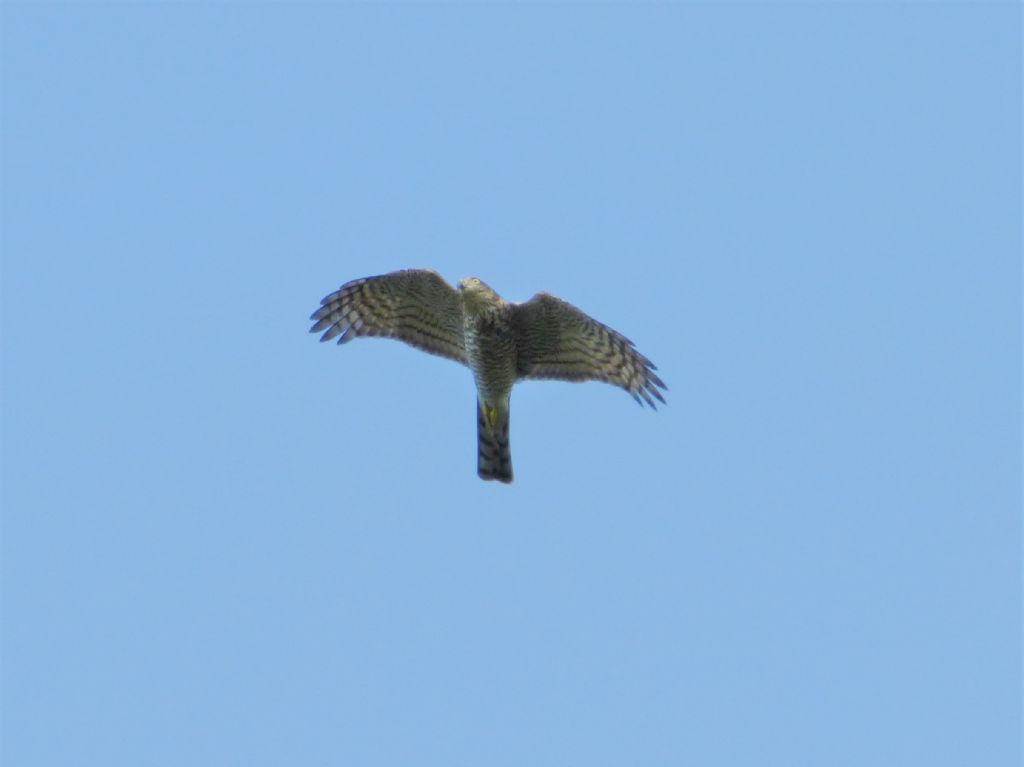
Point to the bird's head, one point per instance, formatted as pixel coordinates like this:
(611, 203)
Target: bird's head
(477, 292)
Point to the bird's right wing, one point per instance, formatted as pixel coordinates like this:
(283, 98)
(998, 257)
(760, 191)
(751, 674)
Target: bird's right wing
(554, 339)
(414, 305)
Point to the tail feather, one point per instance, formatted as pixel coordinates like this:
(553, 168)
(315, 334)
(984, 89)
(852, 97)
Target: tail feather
(494, 456)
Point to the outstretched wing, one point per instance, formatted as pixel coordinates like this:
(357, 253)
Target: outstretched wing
(414, 305)
(556, 340)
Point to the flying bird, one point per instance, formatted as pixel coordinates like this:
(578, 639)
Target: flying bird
(501, 343)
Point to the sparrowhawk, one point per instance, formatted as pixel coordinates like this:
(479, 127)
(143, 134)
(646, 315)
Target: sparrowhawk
(501, 342)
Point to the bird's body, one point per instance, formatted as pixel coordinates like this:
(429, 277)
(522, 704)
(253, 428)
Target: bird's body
(487, 335)
(501, 343)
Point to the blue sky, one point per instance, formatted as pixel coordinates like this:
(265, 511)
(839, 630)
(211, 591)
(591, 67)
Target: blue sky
(225, 543)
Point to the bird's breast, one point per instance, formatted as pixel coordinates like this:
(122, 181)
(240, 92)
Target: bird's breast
(490, 349)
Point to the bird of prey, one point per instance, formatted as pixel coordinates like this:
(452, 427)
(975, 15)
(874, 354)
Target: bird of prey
(500, 342)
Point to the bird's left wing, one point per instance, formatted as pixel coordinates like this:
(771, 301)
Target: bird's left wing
(554, 339)
(414, 305)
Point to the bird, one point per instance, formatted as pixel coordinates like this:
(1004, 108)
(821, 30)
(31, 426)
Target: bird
(500, 341)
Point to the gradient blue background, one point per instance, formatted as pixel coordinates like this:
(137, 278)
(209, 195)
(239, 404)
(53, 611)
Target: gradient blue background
(225, 543)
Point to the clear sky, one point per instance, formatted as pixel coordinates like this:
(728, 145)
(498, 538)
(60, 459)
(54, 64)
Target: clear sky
(225, 543)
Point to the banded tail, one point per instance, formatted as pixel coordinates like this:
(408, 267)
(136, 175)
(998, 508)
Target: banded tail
(494, 456)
